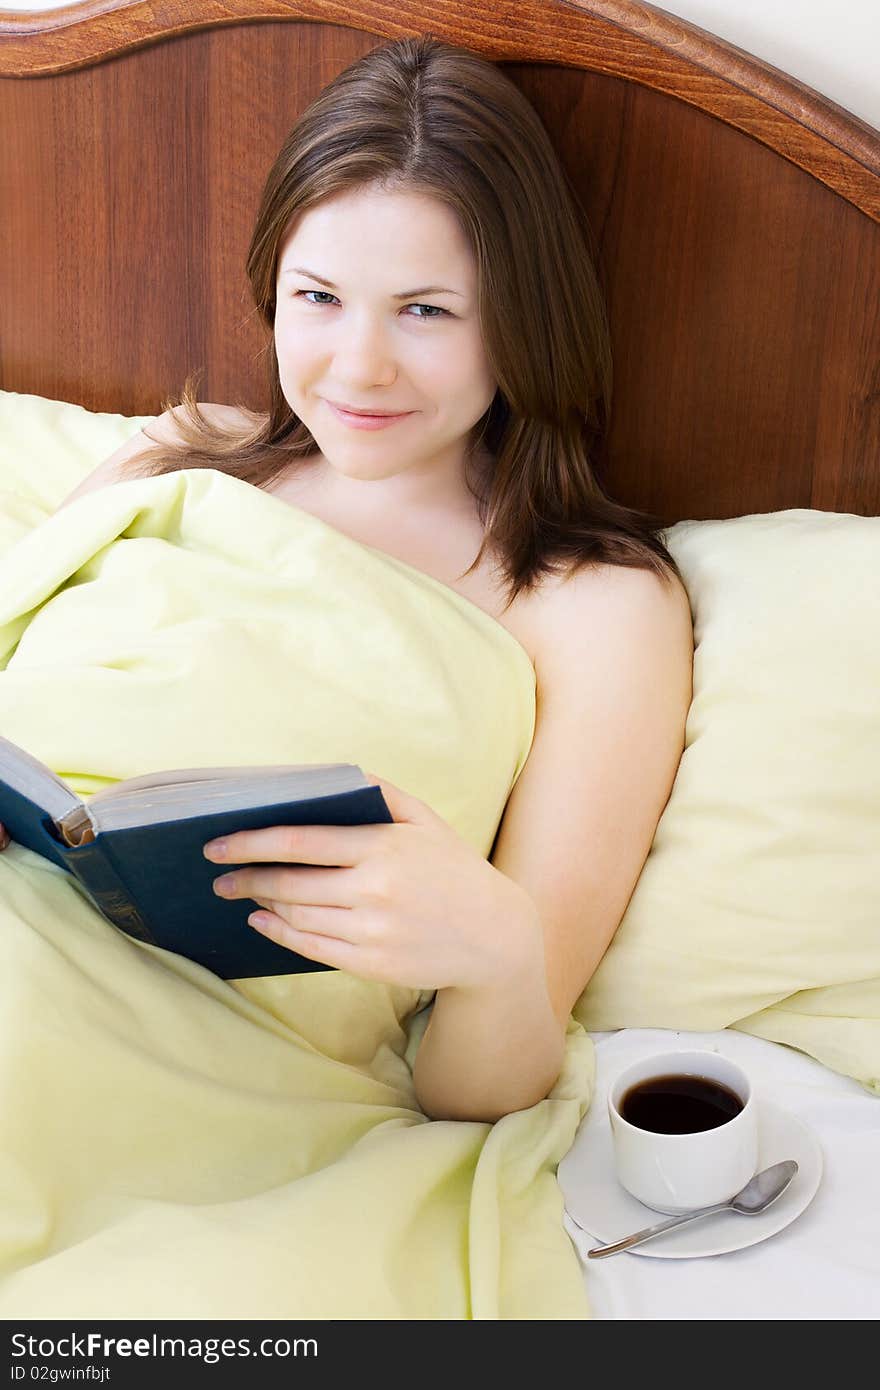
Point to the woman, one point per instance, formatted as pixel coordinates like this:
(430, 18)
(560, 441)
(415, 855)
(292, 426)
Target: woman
(418, 256)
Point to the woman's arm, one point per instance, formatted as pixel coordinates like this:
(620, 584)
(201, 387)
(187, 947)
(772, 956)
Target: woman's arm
(614, 670)
(508, 944)
(486, 1052)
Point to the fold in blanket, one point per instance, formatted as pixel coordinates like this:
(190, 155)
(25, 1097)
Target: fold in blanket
(178, 1146)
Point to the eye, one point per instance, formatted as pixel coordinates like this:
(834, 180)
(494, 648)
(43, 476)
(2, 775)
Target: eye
(433, 310)
(305, 293)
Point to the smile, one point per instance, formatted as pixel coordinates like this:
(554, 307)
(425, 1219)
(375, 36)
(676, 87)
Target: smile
(366, 422)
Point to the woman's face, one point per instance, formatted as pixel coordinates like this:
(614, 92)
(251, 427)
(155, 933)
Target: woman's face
(381, 338)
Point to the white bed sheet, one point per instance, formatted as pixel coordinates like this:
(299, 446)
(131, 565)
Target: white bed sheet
(825, 1265)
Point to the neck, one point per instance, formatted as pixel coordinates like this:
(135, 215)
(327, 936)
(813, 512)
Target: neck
(431, 489)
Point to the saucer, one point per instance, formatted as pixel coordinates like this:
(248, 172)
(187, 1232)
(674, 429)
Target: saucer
(595, 1199)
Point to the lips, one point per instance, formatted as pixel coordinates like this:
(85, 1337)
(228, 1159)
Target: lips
(372, 414)
(354, 421)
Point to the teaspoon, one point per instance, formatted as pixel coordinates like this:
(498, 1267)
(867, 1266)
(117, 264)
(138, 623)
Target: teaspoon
(756, 1196)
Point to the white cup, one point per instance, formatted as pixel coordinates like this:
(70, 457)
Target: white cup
(681, 1172)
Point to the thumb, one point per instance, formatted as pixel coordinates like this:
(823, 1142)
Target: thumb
(402, 805)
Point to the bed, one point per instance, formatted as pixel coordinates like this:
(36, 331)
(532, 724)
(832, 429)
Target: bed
(735, 215)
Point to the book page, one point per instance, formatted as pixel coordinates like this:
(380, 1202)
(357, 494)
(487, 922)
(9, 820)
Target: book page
(190, 792)
(182, 775)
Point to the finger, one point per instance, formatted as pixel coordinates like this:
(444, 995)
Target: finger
(314, 887)
(329, 950)
(330, 845)
(330, 922)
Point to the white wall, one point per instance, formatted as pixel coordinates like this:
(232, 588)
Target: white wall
(831, 45)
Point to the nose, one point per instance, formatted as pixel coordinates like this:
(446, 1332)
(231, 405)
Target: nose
(364, 357)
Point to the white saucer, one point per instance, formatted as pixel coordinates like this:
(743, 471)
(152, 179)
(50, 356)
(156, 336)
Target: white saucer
(594, 1198)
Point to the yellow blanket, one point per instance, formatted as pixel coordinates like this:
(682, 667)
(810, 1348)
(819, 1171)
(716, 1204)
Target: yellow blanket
(177, 1146)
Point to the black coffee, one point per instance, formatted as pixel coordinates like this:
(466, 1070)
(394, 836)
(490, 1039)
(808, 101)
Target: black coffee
(679, 1104)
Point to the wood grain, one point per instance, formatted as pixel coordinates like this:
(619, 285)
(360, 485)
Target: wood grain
(639, 42)
(735, 215)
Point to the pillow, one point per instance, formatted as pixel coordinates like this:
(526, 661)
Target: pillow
(46, 448)
(758, 907)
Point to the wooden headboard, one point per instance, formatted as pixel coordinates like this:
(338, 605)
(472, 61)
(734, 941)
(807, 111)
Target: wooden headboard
(735, 213)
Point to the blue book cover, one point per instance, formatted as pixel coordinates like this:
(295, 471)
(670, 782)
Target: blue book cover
(136, 848)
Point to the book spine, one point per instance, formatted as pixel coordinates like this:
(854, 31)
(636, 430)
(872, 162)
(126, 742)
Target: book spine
(93, 867)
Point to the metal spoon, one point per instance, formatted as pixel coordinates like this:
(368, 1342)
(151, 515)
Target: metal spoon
(756, 1196)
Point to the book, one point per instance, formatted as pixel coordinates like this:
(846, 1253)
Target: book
(135, 847)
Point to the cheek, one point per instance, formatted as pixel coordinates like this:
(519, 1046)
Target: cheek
(296, 359)
(474, 363)
(288, 343)
(460, 366)
(476, 371)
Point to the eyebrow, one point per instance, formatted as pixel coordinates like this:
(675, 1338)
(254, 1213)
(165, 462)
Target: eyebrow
(404, 294)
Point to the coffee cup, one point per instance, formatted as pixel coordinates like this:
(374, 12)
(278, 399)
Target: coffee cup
(684, 1130)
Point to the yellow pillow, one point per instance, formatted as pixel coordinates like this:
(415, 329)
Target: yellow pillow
(46, 448)
(759, 904)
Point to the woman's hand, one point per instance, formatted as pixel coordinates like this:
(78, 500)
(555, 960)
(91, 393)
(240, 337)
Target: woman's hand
(4, 837)
(408, 904)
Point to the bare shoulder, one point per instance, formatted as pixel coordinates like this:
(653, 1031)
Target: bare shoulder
(601, 614)
(164, 429)
(606, 593)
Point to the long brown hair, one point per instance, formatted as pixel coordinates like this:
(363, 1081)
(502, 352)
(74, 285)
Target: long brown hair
(421, 115)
